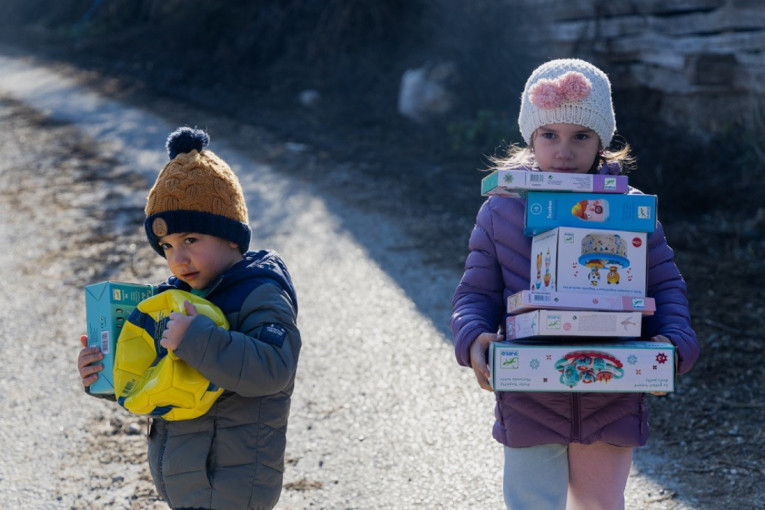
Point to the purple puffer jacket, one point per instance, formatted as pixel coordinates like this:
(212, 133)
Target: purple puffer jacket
(498, 266)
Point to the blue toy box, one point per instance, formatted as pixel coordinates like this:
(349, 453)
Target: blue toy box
(545, 211)
(107, 306)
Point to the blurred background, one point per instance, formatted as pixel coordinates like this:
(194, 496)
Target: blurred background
(440, 80)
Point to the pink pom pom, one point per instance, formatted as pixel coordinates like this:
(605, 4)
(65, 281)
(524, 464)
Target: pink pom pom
(574, 86)
(570, 87)
(545, 94)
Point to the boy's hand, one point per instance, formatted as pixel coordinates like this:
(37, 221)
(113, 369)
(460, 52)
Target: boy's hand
(177, 326)
(478, 350)
(88, 355)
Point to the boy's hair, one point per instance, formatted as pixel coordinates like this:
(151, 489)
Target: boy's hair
(196, 192)
(568, 91)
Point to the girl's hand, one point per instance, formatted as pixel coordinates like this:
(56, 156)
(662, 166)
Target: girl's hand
(88, 355)
(478, 350)
(177, 326)
(663, 339)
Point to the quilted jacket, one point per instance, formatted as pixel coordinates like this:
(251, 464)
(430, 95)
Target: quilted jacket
(232, 457)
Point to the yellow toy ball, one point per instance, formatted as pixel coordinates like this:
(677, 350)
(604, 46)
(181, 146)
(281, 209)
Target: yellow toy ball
(149, 379)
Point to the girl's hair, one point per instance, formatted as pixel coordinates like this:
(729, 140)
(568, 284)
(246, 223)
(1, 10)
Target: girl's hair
(517, 157)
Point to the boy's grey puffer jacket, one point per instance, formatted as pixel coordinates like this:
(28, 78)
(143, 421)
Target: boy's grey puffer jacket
(233, 456)
(497, 266)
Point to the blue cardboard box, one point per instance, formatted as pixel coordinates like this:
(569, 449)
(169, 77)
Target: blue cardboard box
(107, 307)
(545, 211)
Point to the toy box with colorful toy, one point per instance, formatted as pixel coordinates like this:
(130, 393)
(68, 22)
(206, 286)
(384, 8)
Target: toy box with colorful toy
(625, 367)
(567, 259)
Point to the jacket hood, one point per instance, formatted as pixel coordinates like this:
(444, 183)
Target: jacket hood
(255, 268)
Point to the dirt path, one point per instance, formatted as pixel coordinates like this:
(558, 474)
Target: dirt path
(382, 416)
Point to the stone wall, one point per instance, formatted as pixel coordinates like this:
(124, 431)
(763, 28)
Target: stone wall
(703, 61)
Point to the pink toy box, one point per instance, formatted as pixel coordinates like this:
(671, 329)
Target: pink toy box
(544, 211)
(515, 183)
(527, 300)
(543, 323)
(635, 366)
(567, 259)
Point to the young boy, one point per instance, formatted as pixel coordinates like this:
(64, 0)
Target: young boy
(232, 457)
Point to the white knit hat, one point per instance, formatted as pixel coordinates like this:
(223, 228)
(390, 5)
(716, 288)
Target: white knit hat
(567, 91)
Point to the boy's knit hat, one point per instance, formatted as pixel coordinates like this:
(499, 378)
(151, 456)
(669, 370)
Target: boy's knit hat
(196, 192)
(567, 91)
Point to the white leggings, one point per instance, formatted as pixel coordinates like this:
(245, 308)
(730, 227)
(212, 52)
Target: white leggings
(536, 477)
(552, 475)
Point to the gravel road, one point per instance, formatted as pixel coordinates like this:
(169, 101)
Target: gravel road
(382, 416)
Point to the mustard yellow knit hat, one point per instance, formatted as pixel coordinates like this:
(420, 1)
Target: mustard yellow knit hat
(196, 192)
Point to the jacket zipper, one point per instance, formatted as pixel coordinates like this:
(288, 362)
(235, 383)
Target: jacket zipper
(161, 475)
(576, 418)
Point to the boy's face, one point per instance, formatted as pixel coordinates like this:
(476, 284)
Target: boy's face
(565, 148)
(198, 259)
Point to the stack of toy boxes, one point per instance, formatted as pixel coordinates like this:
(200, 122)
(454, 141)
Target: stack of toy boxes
(588, 279)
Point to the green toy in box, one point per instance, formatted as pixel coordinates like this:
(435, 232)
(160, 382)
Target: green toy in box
(107, 307)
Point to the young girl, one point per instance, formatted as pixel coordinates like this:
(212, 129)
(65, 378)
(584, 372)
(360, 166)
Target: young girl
(562, 450)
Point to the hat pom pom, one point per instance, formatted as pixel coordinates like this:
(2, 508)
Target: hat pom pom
(570, 87)
(545, 94)
(575, 86)
(186, 139)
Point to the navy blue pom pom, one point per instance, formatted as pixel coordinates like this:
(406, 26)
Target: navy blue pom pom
(186, 139)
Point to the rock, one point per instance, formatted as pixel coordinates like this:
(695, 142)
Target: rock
(309, 98)
(425, 92)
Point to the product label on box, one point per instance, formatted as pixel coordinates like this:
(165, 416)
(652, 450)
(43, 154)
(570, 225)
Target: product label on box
(636, 366)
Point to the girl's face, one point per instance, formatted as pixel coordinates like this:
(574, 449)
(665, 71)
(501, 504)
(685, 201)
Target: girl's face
(565, 148)
(198, 259)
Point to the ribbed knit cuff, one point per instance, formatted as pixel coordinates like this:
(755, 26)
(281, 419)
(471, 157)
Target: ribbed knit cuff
(175, 222)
